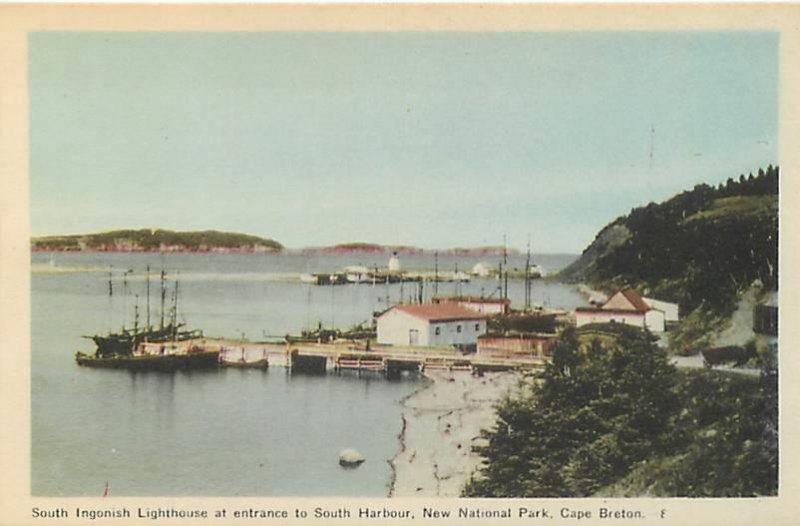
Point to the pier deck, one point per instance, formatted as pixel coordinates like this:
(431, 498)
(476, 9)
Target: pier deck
(343, 356)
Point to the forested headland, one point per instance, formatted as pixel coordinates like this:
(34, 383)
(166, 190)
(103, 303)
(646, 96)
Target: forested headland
(702, 249)
(619, 419)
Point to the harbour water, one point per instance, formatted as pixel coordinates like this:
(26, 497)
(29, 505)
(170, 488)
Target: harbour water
(224, 432)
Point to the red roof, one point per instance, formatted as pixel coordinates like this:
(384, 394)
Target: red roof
(439, 312)
(468, 299)
(633, 298)
(594, 310)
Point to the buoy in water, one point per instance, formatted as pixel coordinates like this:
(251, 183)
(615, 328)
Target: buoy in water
(350, 458)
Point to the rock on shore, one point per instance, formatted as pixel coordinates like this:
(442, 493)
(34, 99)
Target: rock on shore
(350, 458)
(440, 425)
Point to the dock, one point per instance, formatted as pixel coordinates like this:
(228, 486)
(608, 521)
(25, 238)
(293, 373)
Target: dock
(318, 358)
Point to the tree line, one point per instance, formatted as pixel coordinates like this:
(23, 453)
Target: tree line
(623, 421)
(700, 248)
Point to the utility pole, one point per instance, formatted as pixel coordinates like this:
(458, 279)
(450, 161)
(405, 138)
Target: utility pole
(435, 273)
(505, 264)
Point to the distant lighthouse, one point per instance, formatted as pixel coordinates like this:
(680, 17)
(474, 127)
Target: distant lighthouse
(394, 263)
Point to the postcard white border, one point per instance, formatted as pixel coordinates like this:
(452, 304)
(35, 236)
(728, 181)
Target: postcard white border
(17, 20)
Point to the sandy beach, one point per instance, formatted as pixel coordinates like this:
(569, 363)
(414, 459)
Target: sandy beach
(441, 422)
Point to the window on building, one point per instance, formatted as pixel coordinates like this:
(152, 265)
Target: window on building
(458, 328)
(477, 326)
(438, 331)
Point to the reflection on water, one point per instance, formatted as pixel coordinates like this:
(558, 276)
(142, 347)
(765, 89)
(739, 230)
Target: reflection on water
(220, 432)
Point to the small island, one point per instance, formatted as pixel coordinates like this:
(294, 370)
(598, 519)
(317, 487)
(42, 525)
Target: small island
(156, 240)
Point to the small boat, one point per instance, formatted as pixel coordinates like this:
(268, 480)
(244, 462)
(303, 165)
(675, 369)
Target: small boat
(243, 363)
(255, 364)
(332, 278)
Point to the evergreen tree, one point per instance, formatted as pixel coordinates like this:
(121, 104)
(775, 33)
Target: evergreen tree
(617, 420)
(592, 414)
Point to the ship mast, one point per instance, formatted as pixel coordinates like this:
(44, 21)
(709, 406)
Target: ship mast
(174, 316)
(124, 298)
(110, 298)
(505, 264)
(163, 296)
(136, 316)
(528, 278)
(148, 296)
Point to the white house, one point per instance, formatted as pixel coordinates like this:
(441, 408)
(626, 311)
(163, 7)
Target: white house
(430, 324)
(670, 310)
(626, 307)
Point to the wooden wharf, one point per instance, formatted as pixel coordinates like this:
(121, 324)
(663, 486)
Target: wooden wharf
(349, 356)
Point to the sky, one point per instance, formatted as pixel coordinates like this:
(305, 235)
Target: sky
(435, 140)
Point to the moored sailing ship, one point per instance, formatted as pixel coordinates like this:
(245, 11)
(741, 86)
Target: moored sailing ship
(123, 349)
(193, 357)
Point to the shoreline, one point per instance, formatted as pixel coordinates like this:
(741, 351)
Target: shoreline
(441, 421)
(589, 293)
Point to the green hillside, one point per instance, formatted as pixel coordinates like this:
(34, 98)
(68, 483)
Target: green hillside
(700, 249)
(156, 239)
(623, 421)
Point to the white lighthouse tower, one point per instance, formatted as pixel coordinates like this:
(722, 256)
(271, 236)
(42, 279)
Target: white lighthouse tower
(394, 263)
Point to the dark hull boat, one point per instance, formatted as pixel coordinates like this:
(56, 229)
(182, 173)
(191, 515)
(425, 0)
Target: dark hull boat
(192, 359)
(255, 364)
(126, 342)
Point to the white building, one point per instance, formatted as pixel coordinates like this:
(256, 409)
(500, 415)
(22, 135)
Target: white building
(430, 325)
(670, 310)
(626, 307)
(482, 270)
(357, 274)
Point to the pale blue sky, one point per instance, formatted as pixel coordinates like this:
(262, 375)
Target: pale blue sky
(428, 139)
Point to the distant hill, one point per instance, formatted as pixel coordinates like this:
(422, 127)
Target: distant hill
(361, 247)
(481, 251)
(152, 240)
(701, 248)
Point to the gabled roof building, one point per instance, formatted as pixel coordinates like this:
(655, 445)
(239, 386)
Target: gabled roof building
(627, 307)
(429, 325)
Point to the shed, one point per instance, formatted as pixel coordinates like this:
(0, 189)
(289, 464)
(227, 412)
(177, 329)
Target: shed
(430, 324)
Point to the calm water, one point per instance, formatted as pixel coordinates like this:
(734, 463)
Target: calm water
(227, 432)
